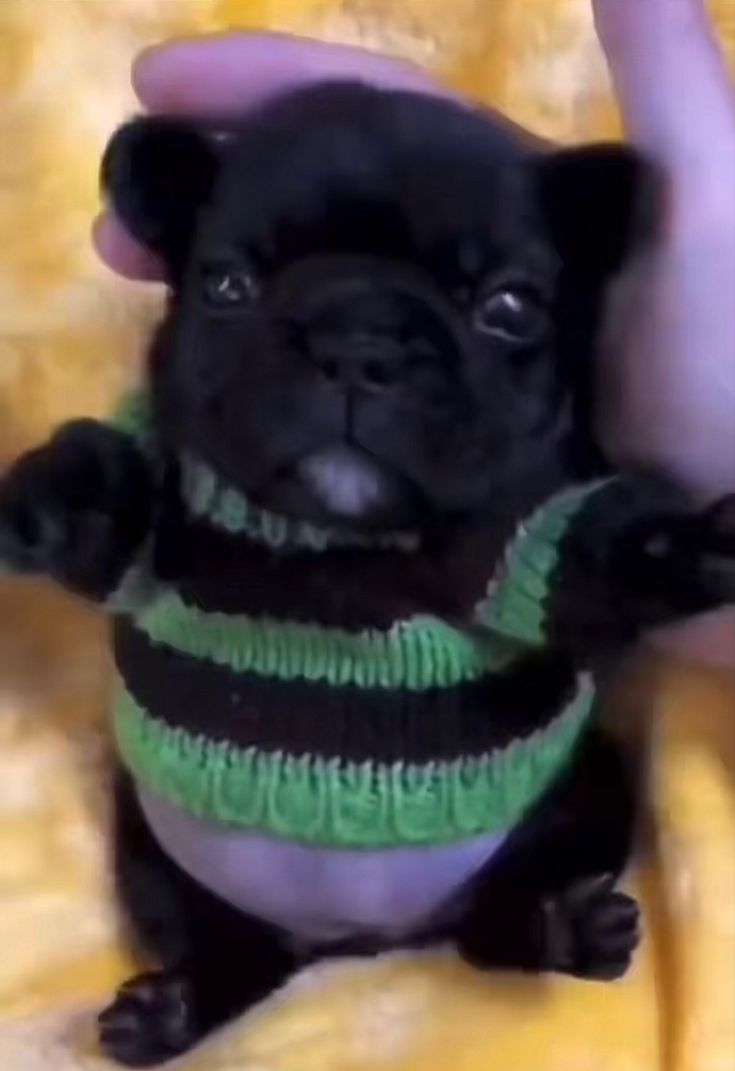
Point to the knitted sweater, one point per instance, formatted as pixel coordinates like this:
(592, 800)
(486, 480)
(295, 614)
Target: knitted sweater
(312, 723)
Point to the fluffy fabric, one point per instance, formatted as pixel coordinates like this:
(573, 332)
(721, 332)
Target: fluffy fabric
(70, 336)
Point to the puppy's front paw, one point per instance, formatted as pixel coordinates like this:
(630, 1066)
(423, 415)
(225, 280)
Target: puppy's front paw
(75, 509)
(694, 557)
(151, 1020)
(591, 930)
(716, 559)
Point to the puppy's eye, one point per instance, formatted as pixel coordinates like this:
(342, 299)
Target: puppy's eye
(229, 286)
(511, 314)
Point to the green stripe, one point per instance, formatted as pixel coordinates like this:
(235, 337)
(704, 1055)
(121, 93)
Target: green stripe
(208, 498)
(423, 652)
(328, 802)
(134, 417)
(515, 603)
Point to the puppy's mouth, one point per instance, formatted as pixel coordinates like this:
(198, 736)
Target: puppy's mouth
(344, 484)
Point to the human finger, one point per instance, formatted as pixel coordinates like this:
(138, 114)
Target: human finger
(672, 83)
(119, 250)
(222, 73)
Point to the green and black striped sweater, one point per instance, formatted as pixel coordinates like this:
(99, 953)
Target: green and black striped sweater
(259, 691)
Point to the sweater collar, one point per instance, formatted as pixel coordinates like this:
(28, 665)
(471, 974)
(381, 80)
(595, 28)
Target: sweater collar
(209, 498)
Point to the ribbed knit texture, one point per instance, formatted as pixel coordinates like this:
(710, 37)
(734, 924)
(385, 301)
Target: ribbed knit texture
(329, 801)
(216, 707)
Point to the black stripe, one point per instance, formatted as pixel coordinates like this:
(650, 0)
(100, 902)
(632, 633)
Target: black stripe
(356, 724)
(345, 588)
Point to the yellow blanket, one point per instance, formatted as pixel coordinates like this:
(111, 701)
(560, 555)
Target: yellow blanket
(70, 336)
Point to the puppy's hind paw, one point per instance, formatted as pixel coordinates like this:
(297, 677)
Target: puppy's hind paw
(591, 930)
(151, 1021)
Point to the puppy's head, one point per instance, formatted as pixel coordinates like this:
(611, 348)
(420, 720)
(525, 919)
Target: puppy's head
(382, 305)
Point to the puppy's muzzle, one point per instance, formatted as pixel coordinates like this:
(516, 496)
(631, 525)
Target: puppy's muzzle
(366, 324)
(359, 360)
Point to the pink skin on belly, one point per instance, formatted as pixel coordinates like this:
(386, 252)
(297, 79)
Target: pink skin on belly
(318, 894)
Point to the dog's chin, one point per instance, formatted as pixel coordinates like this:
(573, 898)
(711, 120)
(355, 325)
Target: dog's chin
(343, 485)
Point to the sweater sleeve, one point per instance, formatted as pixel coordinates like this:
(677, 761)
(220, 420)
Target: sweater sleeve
(516, 601)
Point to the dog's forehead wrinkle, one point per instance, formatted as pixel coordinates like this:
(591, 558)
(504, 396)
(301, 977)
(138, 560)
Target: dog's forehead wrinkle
(308, 148)
(323, 155)
(357, 220)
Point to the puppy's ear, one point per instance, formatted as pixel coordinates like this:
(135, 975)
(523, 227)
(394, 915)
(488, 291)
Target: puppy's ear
(602, 203)
(157, 173)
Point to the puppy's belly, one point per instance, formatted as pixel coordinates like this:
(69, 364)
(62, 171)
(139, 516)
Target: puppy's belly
(318, 894)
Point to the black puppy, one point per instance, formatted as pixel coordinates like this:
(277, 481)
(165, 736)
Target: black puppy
(380, 329)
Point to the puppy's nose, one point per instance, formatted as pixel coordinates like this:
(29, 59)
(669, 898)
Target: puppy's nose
(357, 360)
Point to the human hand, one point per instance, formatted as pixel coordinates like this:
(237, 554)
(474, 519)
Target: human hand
(670, 355)
(671, 340)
